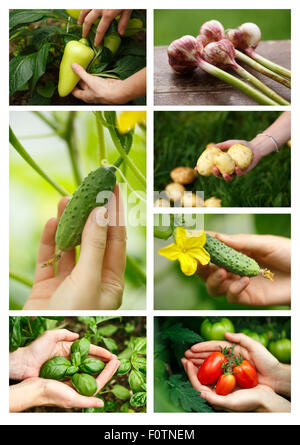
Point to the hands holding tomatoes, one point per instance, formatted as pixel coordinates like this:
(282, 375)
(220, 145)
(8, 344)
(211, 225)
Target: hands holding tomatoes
(259, 375)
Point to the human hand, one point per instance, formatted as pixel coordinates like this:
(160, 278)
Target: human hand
(97, 280)
(97, 90)
(271, 373)
(26, 362)
(89, 16)
(258, 399)
(42, 392)
(109, 91)
(238, 172)
(272, 252)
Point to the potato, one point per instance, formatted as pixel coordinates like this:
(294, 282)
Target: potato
(175, 191)
(241, 154)
(160, 202)
(183, 175)
(192, 200)
(212, 202)
(210, 152)
(210, 144)
(205, 166)
(225, 163)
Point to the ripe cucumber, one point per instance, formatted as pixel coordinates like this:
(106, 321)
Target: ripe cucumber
(233, 261)
(84, 200)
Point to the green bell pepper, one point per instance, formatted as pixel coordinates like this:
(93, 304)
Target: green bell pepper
(75, 52)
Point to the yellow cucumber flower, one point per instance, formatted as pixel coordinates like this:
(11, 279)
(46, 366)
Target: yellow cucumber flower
(187, 250)
(127, 120)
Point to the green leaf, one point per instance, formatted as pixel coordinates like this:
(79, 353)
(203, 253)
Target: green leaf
(47, 89)
(110, 344)
(108, 330)
(139, 363)
(40, 64)
(140, 345)
(182, 335)
(136, 381)
(124, 366)
(128, 65)
(138, 399)
(121, 392)
(23, 16)
(21, 69)
(37, 99)
(183, 393)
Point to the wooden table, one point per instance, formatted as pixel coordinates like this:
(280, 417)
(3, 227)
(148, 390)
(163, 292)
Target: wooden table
(200, 88)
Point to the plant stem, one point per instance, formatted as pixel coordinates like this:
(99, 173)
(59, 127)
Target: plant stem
(21, 279)
(37, 136)
(260, 85)
(139, 273)
(46, 120)
(268, 63)
(101, 139)
(262, 69)
(23, 153)
(125, 157)
(237, 83)
(69, 139)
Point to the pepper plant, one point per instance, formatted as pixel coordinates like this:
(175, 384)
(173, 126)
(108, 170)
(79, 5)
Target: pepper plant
(38, 38)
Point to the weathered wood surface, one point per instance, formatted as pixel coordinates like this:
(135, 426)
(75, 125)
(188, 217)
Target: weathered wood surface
(200, 88)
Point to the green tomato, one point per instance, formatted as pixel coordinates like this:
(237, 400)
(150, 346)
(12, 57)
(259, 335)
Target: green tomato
(216, 331)
(261, 338)
(281, 349)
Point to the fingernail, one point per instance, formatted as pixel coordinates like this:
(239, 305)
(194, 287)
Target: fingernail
(244, 280)
(100, 403)
(101, 216)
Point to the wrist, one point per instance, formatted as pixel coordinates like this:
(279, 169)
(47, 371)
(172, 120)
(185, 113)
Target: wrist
(25, 395)
(282, 380)
(120, 93)
(263, 145)
(273, 403)
(17, 364)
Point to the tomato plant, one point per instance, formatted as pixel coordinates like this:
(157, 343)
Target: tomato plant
(216, 331)
(211, 368)
(225, 384)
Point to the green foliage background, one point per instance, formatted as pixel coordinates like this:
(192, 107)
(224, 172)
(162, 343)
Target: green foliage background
(170, 24)
(174, 290)
(172, 337)
(181, 136)
(33, 201)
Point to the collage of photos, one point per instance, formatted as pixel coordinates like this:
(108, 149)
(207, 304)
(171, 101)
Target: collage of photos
(150, 231)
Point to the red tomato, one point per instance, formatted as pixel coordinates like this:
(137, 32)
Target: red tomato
(245, 375)
(225, 384)
(210, 370)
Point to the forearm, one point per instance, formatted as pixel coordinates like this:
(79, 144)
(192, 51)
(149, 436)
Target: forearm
(280, 130)
(134, 86)
(25, 395)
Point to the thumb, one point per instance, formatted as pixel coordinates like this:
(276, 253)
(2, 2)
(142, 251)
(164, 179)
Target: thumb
(81, 73)
(93, 246)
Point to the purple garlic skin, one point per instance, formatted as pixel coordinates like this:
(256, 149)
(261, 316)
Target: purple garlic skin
(245, 36)
(183, 53)
(212, 31)
(221, 54)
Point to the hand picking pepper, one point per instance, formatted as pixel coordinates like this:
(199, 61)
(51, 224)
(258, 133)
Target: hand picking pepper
(75, 52)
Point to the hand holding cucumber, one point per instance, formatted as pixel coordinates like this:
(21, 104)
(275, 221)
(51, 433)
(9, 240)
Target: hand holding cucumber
(271, 252)
(97, 280)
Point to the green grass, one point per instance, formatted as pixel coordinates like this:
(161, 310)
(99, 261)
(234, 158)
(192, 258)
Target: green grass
(170, 24)
(180, 137)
